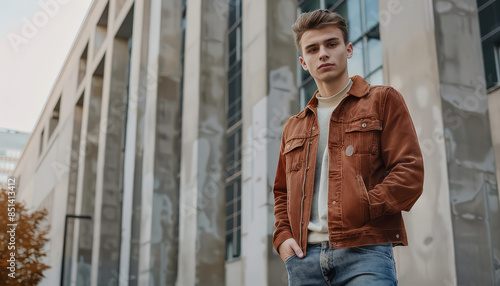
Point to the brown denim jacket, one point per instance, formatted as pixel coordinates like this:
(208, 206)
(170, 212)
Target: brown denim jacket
(375, 169)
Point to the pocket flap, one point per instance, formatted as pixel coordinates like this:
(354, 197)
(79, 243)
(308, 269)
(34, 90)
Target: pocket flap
(293, 144)
(364, 124)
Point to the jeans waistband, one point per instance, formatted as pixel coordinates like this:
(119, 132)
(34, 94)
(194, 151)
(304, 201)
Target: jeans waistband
(317, 243)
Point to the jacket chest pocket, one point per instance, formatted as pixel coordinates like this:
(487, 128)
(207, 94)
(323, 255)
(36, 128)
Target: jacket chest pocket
(293, 154)
(363, 135)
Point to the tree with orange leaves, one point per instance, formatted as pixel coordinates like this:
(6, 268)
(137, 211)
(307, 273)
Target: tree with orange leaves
(22, 237)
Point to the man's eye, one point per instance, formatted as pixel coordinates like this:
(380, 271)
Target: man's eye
(332, 44)
(311, 50)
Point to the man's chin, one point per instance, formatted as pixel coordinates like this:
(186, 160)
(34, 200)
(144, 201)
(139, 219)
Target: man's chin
(328, 77)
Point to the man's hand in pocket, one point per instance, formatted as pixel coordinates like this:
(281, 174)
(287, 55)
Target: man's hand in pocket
(288, 248)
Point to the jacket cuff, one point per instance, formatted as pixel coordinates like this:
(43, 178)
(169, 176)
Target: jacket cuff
(284, 235)
(376, 211)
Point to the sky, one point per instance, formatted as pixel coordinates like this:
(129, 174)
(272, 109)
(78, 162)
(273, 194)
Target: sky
(35, 40)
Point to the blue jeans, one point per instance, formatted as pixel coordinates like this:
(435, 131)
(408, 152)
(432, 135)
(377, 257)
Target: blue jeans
(362, 265)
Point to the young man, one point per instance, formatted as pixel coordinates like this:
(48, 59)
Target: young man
(349, 163)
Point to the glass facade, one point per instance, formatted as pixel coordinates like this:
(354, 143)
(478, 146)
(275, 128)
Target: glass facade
(362, 18)
(13, 143)
(233, 134)
(489, 23)
(6, 165)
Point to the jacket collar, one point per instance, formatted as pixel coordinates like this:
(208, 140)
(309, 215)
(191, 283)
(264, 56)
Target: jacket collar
(359, 89)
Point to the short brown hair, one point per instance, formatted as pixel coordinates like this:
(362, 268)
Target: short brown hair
(318, 19)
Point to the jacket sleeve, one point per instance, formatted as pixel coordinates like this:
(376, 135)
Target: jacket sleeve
(282, 230)
(402, 156)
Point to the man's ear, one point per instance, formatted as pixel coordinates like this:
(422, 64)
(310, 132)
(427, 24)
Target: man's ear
(350, 50)
(303, 63)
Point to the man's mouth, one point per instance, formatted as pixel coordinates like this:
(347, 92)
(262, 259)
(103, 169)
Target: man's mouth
(325, 66)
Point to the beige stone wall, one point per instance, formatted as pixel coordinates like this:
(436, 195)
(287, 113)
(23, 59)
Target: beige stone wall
(429, 259)
(202, 178)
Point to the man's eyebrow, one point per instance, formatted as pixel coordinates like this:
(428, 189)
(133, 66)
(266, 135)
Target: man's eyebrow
(310, 46)
(326, 41)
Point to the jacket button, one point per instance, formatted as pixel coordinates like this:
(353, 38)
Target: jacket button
(288, 146)
(363, 125)
(349, 150)
(334, 202)
(397, 235)
(314, 127)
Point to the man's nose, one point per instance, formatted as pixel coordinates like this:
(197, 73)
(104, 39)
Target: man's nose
(323, 54)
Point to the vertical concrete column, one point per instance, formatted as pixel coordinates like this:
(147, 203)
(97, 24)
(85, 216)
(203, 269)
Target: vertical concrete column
(269, 98)
(79, 187)
(86, 188)
(72, 187)
(494, 107)
(134, 148)
(202, 209)
(161, 164)
(134, 141)
(405, 28)
(282, 102)
(467, 137)
(108, 202)
(109, 182)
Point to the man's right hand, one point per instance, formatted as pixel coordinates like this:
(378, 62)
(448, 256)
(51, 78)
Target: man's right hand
(288, 248)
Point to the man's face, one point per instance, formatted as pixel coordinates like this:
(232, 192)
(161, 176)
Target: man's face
(324, 53)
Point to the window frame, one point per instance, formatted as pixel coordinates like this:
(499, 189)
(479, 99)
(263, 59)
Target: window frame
(234, 132)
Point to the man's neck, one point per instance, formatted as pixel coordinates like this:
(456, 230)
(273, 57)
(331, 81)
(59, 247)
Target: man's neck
(327, 89)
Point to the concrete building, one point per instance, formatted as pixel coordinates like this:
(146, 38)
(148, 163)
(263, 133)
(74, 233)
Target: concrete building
(12, 144)
(169, 119)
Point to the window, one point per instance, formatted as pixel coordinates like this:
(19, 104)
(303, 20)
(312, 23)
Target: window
(183, 45)
(13, 153)
(41, 142)
(234, 134)
(233, 218)
(363, 22)
(489, 24)
(233, 157)
(82, 65)
(4, 178)
(54, 120)
(497, 59)
(101, 29)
